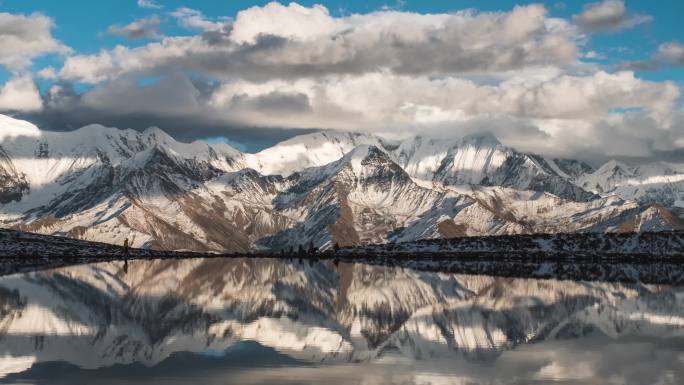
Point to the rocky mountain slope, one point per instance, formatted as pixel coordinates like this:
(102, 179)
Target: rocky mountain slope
(652, 183)
(106, 184)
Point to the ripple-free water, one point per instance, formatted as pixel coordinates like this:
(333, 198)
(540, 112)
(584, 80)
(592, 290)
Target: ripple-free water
(265, 321)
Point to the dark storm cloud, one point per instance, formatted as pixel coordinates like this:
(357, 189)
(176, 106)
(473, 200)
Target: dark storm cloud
(273, 102)
(187, 128)
(175, 104)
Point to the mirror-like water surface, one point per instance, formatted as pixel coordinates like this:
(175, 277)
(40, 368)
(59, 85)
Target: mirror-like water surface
(261, 321)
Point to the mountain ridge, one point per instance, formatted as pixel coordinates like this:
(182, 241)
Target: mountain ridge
(106, 184)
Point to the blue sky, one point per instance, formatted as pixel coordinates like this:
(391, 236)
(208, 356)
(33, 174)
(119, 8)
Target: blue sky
(574, 78)
(82, 24)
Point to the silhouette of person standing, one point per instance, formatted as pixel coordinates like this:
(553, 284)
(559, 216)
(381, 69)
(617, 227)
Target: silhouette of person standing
(125, 245)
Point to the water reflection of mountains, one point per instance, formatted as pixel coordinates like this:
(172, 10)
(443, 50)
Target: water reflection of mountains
(96, 315)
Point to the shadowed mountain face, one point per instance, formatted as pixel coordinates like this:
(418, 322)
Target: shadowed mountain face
(158, 317)
(105, 184)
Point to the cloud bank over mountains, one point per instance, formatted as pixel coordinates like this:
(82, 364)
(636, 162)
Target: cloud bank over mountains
(521, 74)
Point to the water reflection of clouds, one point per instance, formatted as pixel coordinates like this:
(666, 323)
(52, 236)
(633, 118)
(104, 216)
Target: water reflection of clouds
(596, 359)
(409, 327)
(593, 360)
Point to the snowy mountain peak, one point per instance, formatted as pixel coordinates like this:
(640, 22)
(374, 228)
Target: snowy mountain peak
(360, 161)
(361, 152)
(471, 160)
(370, 160)
(12, 128)
(606, 177)
(155, 131)
(570, 169)
(615, 167)
(310, 150)
(149, 155)
(481, 139)
(649, 183)
(102, 183)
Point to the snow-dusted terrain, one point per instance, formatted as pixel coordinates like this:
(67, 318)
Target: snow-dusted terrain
(650, 183)
(100, 315)
(621, 257)
(106, 185)
(587, 244)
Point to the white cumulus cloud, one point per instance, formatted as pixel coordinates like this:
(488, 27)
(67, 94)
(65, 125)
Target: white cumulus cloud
(277, 41)
(20, 94)
(149, 4)
(194, 19)
(520, 74)
(25, 37)
(138, 29)
(609, 15)
(672, 52)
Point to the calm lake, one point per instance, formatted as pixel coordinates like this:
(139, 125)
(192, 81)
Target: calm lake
(267, 321)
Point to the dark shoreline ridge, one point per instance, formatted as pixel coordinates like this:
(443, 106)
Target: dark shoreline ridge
(656, 258)
(588, 244)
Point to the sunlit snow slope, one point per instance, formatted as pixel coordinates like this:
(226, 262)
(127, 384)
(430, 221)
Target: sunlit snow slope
(106, 184)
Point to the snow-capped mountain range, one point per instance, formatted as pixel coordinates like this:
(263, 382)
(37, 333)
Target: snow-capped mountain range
(106, 184)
